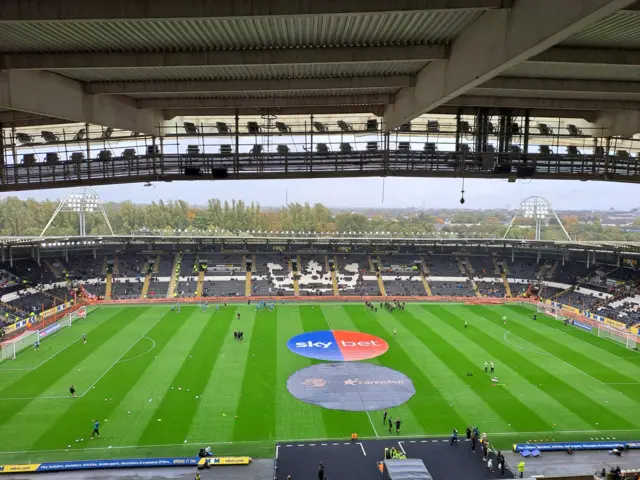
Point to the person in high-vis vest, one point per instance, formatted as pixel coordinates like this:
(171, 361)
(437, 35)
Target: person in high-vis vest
(521, 468)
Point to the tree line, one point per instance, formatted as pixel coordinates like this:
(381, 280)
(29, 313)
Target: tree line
(28, 217)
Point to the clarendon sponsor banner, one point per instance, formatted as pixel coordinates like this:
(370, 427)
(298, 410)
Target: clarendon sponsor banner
(337, 345)
(559, 446)
(581, 325)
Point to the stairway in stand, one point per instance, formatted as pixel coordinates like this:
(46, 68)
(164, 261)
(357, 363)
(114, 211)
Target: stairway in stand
(334, 275)
(200, 284)
(294, 274)
(507, 287)
(424, 272)
(175, 275)
(247, 284)
(107, 290)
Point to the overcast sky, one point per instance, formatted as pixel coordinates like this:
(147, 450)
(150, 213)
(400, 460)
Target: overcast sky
(368, 192)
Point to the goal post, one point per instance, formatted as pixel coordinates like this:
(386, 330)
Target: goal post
(547, 309)
(77, 314)
(629, 340)
(11, 349)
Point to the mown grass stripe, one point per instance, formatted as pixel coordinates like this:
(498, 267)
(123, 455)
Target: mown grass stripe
(178, 406)
(256, 420)
(295, 419)
(219, 403)
(547, 380)
(118, 381)
(427, 398)
(453, 367)
(452, 328)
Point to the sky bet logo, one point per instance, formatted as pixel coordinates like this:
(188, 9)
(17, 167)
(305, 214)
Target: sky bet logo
(337, 345)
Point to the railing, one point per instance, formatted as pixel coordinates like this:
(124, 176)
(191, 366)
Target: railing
(316, 165)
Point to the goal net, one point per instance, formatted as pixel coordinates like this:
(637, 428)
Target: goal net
(547, 310)
(626, 339)
(78, 314)
(29, 339)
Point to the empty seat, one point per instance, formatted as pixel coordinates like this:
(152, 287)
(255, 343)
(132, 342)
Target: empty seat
(225, 149)
(282, 149)
(283, 127)
(545, 150)
(190, 128)
(129, 153)
(599, 151)
(515, 129)
(105, 155)
(433, 126)
(24, 138)
(491, 149)
(52, 158)
(404, 146)
(256, 149)
(544, 129)
(253, 127)
(80, 135)
(77, 157)
(223, 128)
(346, 148)
(574, 131)
(322, 148)
(344, 126)
(372, 146)
(513, 148)
(29, 159)
(465, 127)
(153, 150)
(405, 127)
(49, 137)
(622, 154)
(573, 150)
(320, 127)
(372, 125)
(193, 149)
(106, 133)
(464, 148)
(430, 147)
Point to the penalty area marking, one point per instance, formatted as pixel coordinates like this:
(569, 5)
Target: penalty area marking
(143, 353)
(144, 335)
(540, 352)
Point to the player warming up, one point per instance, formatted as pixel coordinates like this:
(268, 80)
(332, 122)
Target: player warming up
(84, 339)
(504, 320)
(96, 429)
(72, 390)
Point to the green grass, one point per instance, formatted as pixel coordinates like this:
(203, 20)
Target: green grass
(560, 382)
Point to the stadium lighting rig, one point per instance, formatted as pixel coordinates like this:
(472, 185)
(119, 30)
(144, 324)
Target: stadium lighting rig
(539, 210)
(80, 201)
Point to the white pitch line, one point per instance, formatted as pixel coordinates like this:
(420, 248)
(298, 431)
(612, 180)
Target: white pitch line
(277, 450)
(120, 358)
(362, 447)
(143, 353)
(401, 447)
(372, 425)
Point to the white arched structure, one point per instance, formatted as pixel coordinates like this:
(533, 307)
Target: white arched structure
(538, 209)
(80, 201)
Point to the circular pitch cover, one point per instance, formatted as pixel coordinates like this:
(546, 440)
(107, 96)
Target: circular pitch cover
(356, 387)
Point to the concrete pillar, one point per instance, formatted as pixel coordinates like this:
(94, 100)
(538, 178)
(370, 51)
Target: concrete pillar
(38, 255)
(10, 256)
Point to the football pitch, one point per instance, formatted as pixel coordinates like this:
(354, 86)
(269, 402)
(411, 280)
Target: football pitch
(163, 383)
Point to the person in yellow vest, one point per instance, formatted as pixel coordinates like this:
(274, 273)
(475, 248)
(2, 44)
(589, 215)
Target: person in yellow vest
(521, 468)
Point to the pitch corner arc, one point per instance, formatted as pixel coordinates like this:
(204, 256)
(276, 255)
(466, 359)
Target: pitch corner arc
(337, 345)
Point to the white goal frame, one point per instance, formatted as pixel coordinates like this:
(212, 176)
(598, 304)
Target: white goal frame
(547, 309)
(78, 314)
(629, 340)
(11, 349)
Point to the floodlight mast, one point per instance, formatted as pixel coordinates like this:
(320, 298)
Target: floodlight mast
(540, 210)
(81, 201)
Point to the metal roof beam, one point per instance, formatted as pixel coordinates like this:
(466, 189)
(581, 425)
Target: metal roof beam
(603, 56)
(341, 83)
(265, 102)
(495, 42)
(49, 95)
(558, 85)
(48, 61)
(75, 10)
(376, 110)
(543, 103)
